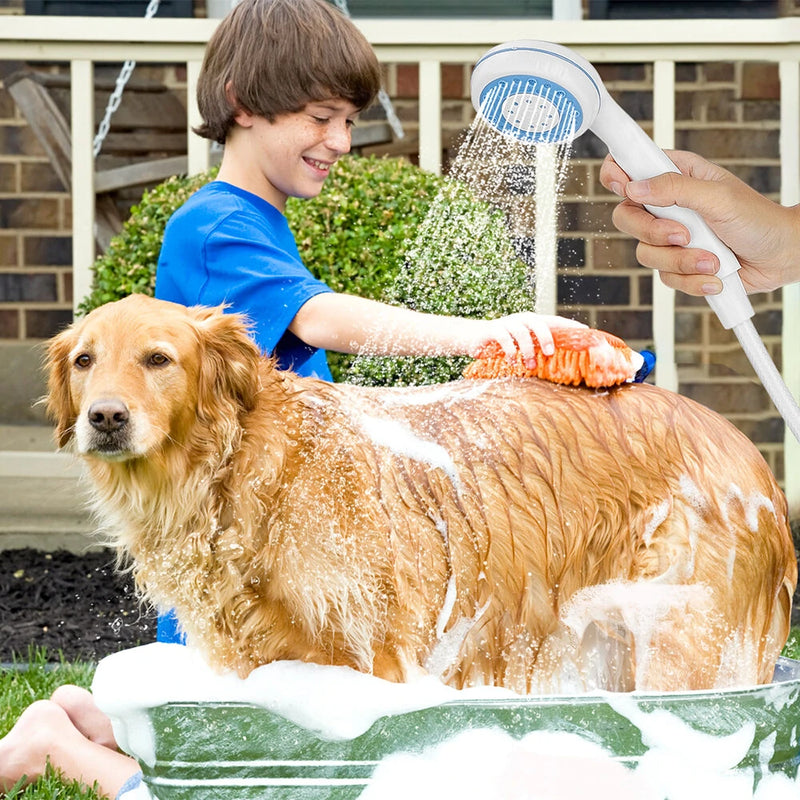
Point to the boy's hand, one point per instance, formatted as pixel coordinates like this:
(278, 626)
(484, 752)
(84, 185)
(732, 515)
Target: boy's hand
(513, 334)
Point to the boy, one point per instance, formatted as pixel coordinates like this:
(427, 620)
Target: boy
(281, 85)
(284, 124)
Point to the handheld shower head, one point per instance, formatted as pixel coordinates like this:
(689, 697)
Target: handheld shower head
(536, 91)
(539, 92)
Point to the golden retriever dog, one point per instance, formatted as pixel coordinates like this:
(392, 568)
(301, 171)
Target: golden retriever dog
(512, 532)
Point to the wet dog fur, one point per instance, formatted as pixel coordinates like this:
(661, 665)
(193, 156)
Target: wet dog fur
(511, 532)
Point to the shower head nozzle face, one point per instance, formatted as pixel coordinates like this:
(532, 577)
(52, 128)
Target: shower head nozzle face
(531, 110)
(536, 91)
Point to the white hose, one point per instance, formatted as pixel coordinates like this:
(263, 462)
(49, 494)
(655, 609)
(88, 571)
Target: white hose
(758, 356)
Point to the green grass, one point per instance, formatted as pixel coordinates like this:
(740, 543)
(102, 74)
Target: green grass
(37, 680)
(792, 649)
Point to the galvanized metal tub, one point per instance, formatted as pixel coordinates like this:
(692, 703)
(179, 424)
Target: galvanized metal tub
(227, 748)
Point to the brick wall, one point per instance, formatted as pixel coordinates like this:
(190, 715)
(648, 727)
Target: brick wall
(728, 112)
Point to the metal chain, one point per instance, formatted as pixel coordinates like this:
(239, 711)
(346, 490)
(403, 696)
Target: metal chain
(116, 96)
(383, 97)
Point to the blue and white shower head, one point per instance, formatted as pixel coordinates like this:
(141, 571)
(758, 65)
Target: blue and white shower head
(540, 92)
(536, 92)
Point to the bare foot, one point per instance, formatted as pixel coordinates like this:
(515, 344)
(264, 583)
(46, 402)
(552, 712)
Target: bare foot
(45, 732)
(85, 715)
(24, 749)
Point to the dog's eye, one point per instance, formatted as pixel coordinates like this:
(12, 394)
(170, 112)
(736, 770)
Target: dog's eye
(83, 360)
(157, 360)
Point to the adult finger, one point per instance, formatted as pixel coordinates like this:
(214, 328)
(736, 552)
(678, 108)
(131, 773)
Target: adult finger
(697, 285)
(680, 260)
(613, 177)
(636, 221)
(709, 198)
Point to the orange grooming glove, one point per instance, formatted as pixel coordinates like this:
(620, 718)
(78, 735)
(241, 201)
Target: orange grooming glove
(582, 356)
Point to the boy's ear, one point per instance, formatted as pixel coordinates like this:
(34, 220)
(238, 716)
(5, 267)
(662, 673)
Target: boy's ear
(244, 119)
(230, 95)
(233, 101)
(241, 114)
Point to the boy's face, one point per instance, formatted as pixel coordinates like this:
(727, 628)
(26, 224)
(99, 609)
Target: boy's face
(291, 157)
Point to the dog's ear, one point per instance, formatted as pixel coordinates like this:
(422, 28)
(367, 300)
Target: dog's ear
(59, 404)
(229, 367)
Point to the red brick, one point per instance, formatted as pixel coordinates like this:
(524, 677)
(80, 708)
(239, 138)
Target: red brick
(761, 110)
(742, 397)
(686, 72)
(8, 250)
(621, 72)
(407, 77)
(730, 142)
(19, 140)
(66, 286)
(713, 105)
(28, 287)
(47, 251)
(28, 213)
(453, 84)
(613, 252)
(39, 176)
(632, 326)
(8, 108)
(8, 177)
(586, 217)
(760, 82)
(9, 323)
(719, 71)
(46, 322)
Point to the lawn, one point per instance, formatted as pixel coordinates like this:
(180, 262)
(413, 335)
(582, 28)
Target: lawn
(37, 679)
(18, 689)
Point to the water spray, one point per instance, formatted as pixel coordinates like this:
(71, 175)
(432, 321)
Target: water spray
(539, 92)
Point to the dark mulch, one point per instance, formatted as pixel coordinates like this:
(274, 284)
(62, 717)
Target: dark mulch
(75, 605)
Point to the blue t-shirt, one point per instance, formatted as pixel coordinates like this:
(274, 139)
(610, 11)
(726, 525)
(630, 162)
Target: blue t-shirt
(226, 245)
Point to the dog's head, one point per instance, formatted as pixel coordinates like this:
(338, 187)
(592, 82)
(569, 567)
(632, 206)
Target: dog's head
(139, 373)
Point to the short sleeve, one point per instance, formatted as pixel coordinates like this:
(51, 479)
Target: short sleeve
(262, 278)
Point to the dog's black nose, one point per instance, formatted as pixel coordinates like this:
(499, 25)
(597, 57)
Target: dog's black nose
(108, 415)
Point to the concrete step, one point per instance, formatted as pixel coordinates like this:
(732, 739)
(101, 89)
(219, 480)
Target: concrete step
(43, 496)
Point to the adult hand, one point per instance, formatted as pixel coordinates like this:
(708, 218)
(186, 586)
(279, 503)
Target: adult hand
(764, 235)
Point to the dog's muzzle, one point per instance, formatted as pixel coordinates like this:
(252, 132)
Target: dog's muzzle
(110, 426)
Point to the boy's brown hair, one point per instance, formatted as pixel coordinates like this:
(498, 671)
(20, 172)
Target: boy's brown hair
(271, 57)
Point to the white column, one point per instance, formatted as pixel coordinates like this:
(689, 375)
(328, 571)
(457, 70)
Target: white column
(790, 195)
(83, 196)
(430, 116)
(663, 296)
(197, 149)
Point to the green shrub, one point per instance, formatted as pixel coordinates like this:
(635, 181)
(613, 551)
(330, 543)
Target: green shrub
(381, 228)
(129, 264)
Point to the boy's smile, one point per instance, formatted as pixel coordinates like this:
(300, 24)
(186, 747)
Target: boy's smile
(292, 156)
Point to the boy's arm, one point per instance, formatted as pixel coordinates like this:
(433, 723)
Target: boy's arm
(351, 324)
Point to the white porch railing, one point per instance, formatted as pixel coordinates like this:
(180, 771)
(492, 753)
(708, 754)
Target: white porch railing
(429, 43)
